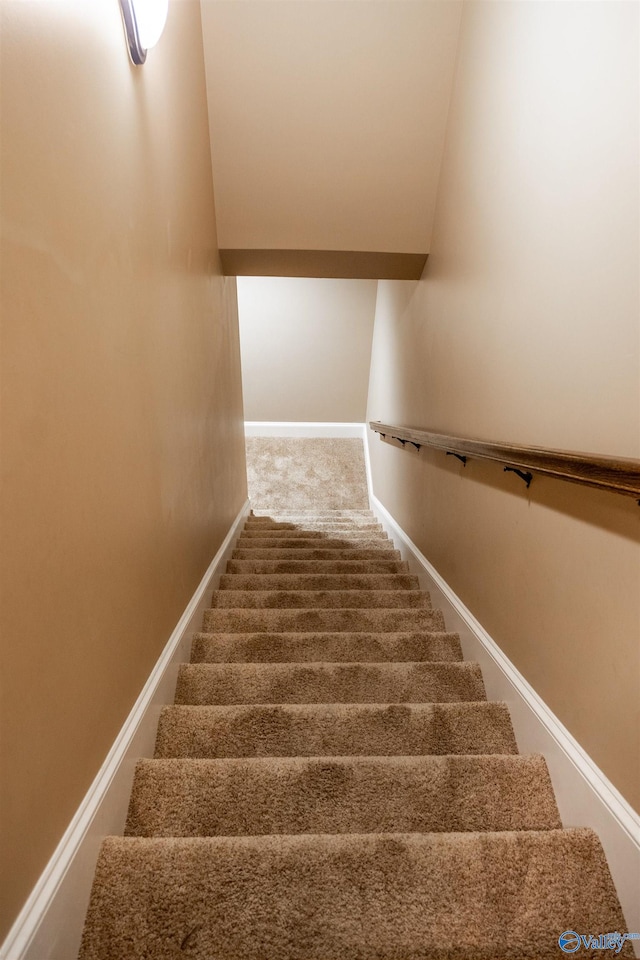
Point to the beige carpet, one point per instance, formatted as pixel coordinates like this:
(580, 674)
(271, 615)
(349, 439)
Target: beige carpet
(306, 474)
(331, 782)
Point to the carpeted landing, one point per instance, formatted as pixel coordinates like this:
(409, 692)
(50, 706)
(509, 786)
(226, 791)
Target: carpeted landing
(331, 782)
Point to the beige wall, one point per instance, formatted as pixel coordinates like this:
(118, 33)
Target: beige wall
(122, 443)
(306, 347)
(313, 110)
(525, 328)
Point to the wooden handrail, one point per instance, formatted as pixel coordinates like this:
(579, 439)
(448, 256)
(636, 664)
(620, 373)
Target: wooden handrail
(590, 469)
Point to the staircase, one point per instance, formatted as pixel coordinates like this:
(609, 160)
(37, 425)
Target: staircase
(332, 784)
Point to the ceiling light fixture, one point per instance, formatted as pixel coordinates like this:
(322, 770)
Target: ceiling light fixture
(144, 22)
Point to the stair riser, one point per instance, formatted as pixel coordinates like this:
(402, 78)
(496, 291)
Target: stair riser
(321, 621)
(329, 647)
(192, 798)
(329, 683)
(335, 730)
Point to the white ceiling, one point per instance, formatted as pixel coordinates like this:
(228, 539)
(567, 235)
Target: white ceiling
(327, 121)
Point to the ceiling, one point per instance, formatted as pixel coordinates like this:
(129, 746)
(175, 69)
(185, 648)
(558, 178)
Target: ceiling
(327, 121)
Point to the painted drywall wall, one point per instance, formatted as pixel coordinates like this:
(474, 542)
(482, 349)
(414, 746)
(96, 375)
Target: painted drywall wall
(312, 112)
(122, 437)
(525, 328)
(306, 347)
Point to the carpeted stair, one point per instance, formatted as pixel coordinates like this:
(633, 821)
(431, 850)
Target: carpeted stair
(331, 782)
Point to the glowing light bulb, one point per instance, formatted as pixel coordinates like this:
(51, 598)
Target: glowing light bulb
(144, 22)
(151, 16)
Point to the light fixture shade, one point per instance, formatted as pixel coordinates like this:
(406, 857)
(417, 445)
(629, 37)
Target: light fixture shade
(151, 16)
(144, 22)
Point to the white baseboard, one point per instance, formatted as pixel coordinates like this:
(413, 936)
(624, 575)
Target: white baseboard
(292, 428)
(49, 927)
(585, 796)
(367, 463)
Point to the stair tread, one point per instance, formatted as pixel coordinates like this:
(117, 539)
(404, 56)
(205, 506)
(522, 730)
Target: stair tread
(326, 552)
(298, 523)
(318, 581)
(310, 514)
(344, 523)
(305, 532)
(227, 683)
(353, 896)
(322, 567)
(322, 599)
(367, 542)
(329, 647)
(399, 794)
(305, 620)
(342, 729)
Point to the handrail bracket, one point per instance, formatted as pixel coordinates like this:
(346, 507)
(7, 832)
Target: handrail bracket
(403, 441)
(523, 474)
